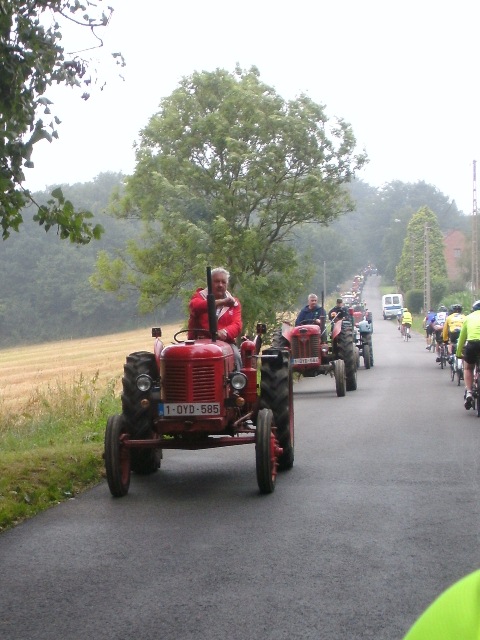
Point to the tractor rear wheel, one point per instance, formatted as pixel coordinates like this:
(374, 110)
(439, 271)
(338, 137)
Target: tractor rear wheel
(339, 377)
(143, 461)
(265, 456)
(117, 457)
(276, 393)
(346, 351)
(279, 341)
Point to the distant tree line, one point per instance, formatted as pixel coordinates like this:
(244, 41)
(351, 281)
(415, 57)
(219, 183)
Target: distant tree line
(229, 172)
(45, 293)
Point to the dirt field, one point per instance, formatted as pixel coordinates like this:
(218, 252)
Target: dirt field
(24, 370)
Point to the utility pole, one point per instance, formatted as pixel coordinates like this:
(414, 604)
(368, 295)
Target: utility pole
(427, 303)
(475, 285)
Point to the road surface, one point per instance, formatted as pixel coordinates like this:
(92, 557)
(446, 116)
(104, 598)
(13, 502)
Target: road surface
(379, 514)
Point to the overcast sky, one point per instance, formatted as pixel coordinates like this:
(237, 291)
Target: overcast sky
(403, 74)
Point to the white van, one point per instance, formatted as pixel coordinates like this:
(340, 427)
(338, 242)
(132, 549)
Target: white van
(392, 303)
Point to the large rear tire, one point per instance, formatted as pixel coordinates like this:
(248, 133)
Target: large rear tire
(279, 341)
(117, 457)
(276, 393)
(265, 456)
(143, 461)
(346, 351)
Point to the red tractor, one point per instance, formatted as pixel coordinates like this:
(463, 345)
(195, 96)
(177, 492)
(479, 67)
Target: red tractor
(192, 395)
(314, 352)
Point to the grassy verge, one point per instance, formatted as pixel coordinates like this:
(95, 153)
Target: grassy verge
(53, 449)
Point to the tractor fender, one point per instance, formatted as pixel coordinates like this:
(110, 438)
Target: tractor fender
(337, 328)
(157, 349)
(287, 331)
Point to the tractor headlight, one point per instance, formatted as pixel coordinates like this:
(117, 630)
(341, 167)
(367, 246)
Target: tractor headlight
(144, 382)
(238, 380)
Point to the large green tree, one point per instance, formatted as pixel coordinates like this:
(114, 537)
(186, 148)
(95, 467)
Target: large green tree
(411, 268)
(32, 59)
(226, 170)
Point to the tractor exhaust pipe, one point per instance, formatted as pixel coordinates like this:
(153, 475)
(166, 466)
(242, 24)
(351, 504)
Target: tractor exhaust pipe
(212, 313)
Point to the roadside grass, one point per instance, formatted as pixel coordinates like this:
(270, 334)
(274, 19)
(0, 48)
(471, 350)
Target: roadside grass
(52, 450)
(55, 399)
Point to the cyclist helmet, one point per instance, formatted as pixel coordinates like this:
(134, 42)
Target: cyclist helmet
(457, 308)
(405, 309)
(444, 308)
(476, 306)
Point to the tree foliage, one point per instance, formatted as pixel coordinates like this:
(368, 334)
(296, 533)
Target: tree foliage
(33, 59)
(382, 216)
(45, 293)
(411, 268)
(226, 170)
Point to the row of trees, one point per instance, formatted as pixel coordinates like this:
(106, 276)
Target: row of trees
(46, 292)
(228, 172)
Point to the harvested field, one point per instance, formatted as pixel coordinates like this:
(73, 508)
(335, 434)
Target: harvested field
(27, 370)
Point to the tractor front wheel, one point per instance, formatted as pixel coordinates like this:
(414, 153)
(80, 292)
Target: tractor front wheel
(339, 377)
(366, 356)
(265, 452)
(117, 457)
(276, 393)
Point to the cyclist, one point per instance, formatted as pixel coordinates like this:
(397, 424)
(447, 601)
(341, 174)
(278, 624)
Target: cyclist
(438, 322)
(406, 319)
(454, 614)
(428, 326)
(399, 320)
(470, 337)
(451, 329)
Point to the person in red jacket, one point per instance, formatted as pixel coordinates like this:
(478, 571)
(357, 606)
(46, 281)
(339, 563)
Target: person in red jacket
(228, 309)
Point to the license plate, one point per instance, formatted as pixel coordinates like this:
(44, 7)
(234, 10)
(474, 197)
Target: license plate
(180, 409)
(305, 360)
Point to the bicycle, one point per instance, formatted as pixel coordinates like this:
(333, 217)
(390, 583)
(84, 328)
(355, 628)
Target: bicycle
(443, 356)
(406, 332)
(476, 387)
(456, 369)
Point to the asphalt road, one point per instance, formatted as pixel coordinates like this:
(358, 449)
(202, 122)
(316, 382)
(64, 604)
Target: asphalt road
(379, 514)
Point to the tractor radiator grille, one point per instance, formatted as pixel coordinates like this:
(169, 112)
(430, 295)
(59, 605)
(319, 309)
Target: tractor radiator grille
(309, 348)
(188, 382)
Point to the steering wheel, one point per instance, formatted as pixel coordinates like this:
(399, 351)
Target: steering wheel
(204, 333)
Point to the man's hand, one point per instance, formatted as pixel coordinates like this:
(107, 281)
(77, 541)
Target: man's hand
(222, 334)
